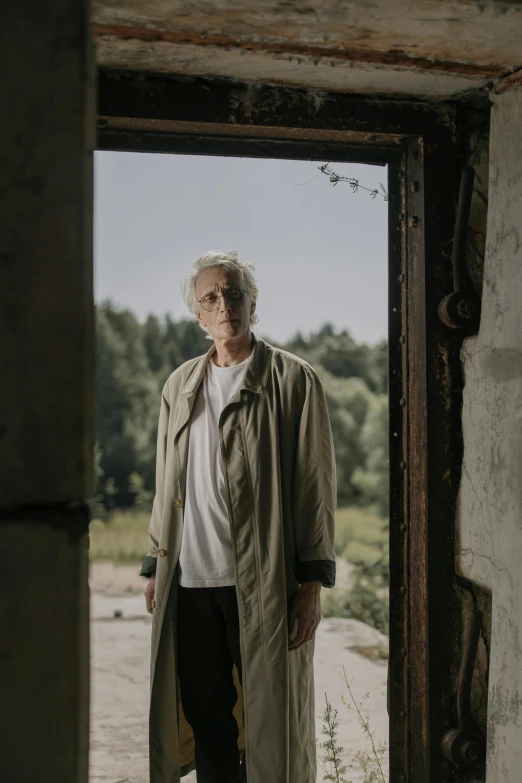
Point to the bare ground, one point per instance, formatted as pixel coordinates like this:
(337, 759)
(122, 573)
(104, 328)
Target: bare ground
(120, 636)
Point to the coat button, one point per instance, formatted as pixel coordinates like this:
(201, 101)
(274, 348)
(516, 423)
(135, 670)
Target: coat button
(178, 503)
(162, 552)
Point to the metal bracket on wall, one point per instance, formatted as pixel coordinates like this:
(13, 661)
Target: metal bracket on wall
(461, 309)
(464, 746)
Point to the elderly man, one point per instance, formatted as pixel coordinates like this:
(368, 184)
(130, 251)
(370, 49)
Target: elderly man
(241, 541)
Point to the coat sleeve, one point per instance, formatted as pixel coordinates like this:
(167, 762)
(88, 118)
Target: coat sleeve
(315, 489)
(148, 567)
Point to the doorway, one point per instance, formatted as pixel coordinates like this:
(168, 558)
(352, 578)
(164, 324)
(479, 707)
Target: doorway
(419, 143)
(320, 251)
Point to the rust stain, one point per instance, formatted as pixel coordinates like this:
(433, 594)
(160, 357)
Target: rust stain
(509, 82)
(249, 131)
(394, 57)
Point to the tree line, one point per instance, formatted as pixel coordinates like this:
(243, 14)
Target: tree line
(134, 360)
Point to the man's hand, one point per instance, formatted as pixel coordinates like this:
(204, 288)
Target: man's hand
(306, 609)
(149, 594)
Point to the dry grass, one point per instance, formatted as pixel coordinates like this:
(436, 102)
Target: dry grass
(359, 536)
(122, 539)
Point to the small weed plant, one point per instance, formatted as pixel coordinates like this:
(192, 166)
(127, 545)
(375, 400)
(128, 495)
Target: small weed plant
(371, 763)
(332, 766)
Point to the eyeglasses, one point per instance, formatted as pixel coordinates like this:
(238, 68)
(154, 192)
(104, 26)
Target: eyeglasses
(233, 296)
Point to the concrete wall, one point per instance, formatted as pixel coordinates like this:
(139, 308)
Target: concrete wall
(489, 547)
(440, 50)
(46, 388)
(477, 156)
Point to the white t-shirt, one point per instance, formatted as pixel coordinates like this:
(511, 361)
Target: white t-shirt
(206, 557)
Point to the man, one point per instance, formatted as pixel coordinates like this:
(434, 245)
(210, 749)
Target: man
(241, 541)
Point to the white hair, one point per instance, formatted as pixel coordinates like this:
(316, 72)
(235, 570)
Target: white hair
(230, 260)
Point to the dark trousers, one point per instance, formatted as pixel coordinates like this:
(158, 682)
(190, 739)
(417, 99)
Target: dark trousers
(208, 647)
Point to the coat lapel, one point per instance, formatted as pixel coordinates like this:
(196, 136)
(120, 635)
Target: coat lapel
(254, 380)
(187, 395)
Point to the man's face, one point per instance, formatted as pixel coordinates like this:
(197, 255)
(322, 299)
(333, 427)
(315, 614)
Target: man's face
(224, 318)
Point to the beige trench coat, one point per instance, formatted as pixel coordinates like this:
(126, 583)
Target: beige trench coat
(279, 470)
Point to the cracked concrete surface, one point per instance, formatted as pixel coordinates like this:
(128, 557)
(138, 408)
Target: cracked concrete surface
(489, 547)
(120, 680)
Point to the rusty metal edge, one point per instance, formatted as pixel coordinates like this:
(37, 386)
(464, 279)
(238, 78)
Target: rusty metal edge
(226, 146)
(222, 129)
(444, 440)
(415, 588)
(130, 99)
(398, 533)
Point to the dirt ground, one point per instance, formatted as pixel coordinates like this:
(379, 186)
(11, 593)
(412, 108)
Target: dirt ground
(120, 638)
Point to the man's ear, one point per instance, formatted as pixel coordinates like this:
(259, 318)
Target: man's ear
(200, 318)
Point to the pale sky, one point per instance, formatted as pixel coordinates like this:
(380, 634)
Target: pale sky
(320, 251)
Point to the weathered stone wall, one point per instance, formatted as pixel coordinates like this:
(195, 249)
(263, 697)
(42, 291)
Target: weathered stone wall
(46, 388)
(489, 547)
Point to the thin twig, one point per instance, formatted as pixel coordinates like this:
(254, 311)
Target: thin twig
(376, 760)
(299, 184)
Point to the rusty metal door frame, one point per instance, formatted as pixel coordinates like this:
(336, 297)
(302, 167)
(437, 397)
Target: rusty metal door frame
(418, 142)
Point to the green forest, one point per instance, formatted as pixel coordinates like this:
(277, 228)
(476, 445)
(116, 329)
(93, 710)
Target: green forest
(134, 360)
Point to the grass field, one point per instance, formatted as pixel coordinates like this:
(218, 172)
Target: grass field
(360, 536)
(123, 538)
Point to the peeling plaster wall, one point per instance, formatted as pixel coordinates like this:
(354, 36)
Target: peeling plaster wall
(481, 34)
(429, 48)
(280, 68)
(489, 517)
